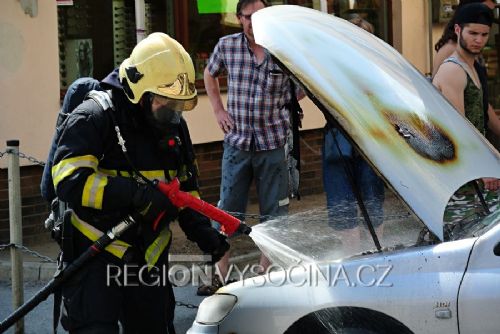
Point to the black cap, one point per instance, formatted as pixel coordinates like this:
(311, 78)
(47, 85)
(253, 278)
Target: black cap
(474, 13)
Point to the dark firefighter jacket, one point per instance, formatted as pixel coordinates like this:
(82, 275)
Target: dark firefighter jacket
(92, 175)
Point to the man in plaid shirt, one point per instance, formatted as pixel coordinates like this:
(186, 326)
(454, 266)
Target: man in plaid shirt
(255, 123)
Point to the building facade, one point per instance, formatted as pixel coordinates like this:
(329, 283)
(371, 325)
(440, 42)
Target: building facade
(45, 45)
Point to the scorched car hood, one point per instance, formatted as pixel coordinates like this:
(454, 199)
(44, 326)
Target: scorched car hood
(423, 148)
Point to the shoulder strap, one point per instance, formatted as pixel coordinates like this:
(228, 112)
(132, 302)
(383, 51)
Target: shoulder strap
(102, 98)
(468, 71)
(464, 66)
(105, 101)
(453, 60)
(483, 78)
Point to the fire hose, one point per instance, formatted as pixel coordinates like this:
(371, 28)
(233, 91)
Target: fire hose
(178, 198)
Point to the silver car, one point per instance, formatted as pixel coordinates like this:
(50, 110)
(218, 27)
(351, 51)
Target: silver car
(444, 280)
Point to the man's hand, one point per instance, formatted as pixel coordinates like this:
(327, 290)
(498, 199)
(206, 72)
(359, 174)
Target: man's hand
(198, 229)
(213, 243)
(491, 183)
(151, 205)
(219, 252)
(224, 120)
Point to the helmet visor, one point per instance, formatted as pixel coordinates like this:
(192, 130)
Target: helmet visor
(176, 104)
(179, 105)
(181, 92)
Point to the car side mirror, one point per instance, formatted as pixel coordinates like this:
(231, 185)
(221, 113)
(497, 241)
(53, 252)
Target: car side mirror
(496, 249)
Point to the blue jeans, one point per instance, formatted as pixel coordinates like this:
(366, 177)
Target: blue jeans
(340, 199)
(270, 172)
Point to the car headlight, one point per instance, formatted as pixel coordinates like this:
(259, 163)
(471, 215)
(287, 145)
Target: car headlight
(215, 308)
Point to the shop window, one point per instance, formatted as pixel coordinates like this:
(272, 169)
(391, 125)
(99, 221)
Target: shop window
(377, 12)
(205, 25)
(199, 28)
(95, 36)
(200, 24)
(490, 53)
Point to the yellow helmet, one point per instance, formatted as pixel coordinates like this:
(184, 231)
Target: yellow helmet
(160, 65)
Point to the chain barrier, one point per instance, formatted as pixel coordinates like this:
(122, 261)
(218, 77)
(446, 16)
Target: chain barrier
(187, 305)
(32, 159)
(28, 251)
(249, 215)
(402, 215)
(23, 156)
(385, 218)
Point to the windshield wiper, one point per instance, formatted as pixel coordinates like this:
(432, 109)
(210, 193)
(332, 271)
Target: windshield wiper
(481, 197)
(454, 231)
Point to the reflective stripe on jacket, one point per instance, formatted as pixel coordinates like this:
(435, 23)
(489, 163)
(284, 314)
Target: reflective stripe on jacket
(93, 191)
(118, 248)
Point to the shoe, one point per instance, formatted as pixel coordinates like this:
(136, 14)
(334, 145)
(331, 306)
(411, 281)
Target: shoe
(208, 290)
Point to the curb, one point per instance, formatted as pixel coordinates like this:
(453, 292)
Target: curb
(33, 271)
(44, 271)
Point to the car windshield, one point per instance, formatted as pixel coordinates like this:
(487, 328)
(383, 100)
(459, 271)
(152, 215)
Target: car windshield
(473, 225)
(314, 236)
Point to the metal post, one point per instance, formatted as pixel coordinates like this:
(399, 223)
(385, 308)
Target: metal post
(16, 230)
(140, 20)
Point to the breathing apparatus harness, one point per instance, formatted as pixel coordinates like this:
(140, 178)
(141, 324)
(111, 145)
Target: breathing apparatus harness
(103, 98)
(171, 189)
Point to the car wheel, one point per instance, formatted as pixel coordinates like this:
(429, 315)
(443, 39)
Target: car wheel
(347, 320)
(336, 331)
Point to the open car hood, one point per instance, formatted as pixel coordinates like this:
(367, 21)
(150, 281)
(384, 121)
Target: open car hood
(423, 148)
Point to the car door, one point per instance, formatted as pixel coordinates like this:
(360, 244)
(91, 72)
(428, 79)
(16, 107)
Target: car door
(479, 294)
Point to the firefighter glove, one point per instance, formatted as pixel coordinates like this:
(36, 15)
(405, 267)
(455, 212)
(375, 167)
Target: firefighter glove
(213, 243)
(152, 206)
(219, 252)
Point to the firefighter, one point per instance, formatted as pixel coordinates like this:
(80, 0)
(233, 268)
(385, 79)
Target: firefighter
(100, 162)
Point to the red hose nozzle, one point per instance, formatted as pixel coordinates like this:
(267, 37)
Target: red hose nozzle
(180, 198)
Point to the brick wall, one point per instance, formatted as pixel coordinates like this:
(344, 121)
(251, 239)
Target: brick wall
(35, 210)
(311, 181)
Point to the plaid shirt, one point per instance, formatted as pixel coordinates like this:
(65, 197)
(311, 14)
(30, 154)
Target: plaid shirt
(257, 95)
